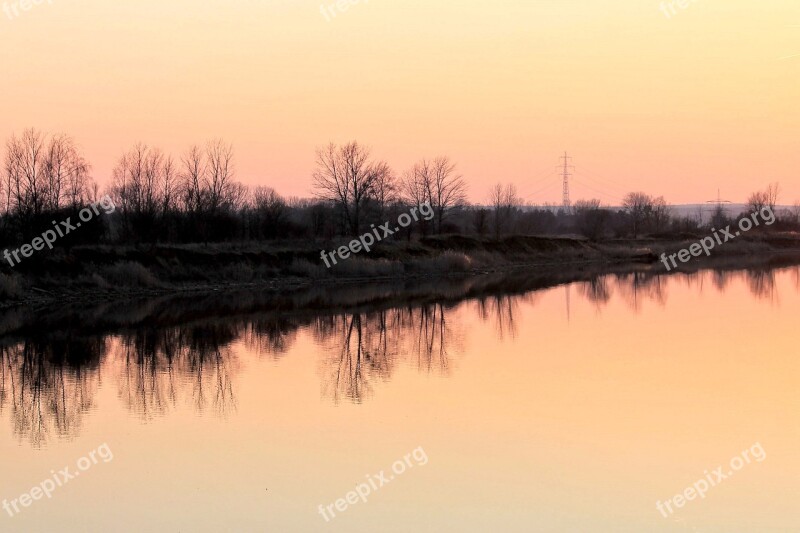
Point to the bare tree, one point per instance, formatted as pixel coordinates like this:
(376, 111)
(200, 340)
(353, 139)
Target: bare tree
(144, 184)
(79, 183)
(65, 174)
(496, 201)
(448, 190)
(415, 188)
(416, 184)
(659, 214)
(170, 186)
(766, 198)
(25, 174)
(638, 205)
(56, 169)
(591, 219)
(206, 189)
(41, 174)
(385, 189)
(346, 177)
(194, 178)
(271, 209)
(773, 193)
(223, 192)
(438, 183)
(505, 201)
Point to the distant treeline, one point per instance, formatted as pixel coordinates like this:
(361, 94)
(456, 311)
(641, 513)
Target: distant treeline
(196, 198)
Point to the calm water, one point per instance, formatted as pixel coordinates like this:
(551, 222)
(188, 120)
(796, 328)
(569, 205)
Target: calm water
(571, 408)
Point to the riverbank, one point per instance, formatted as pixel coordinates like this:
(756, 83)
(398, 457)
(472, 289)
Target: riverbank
(99, 273)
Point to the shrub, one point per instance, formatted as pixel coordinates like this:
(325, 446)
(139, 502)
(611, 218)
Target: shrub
(359, 267)
(10, 286)
(447, 262)
(241, 272)
(129, 274)
(304, 269)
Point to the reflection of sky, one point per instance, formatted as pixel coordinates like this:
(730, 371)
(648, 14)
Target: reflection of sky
(560, 425)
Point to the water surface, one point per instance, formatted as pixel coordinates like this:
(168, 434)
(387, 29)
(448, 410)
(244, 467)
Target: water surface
(574, 407)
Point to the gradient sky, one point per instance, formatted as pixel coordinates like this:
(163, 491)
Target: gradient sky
(677, 106)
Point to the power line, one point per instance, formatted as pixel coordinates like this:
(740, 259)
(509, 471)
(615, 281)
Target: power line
(550, 174)
(543, 189)
(598, 177)
(604, 189)
(607, 196)
(597, 182)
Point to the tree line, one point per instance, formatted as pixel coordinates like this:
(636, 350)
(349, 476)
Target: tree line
(196, 197)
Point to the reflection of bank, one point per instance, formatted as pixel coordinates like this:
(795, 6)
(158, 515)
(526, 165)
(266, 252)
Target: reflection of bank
(49, 380)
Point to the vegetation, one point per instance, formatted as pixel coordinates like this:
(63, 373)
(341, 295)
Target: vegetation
(188, 220)
(196, 198)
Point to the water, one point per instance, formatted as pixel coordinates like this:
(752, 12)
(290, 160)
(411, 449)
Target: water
(509, 405)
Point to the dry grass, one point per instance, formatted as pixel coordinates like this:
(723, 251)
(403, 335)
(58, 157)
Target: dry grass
(10, 286)
(239, 272)
(125, 268)
(305, 269)
(129, 274)
(359, 267)
(446, 262)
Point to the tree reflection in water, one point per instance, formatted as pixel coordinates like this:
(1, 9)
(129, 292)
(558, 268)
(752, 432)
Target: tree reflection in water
(49, 379)
(48, 386)
(156, 366)
(597, 290)
(365, 347)
(503, 307)
(274, 337)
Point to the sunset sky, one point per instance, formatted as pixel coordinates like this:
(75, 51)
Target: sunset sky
(678, 106)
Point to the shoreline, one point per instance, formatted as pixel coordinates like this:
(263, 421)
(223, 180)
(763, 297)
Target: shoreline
(100, 274)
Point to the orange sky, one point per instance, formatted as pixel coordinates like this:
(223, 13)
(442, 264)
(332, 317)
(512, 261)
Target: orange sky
(676, 106)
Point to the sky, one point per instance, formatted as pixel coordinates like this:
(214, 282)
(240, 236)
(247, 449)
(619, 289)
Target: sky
(676, 102)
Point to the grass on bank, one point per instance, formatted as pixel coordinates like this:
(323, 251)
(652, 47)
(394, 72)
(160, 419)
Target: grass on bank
(105, 268)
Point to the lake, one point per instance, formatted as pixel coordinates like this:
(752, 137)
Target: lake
(492, 404)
